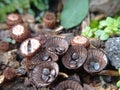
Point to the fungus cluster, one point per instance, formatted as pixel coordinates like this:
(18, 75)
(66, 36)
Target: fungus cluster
(18, 30)
(44, 57)
(43, 64)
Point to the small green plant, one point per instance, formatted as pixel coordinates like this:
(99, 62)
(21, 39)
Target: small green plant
(21, 6)
(118, 83)
(106, 28)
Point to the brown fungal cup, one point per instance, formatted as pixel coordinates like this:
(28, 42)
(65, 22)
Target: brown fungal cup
(74, 57)
(96, 42)
(44, 74)
(49, 20)
(57, 45)
(44, 56)
(42, 38)
(69, 85)
(88, 87)
(9, 73)
(4, 46)
(29, 47)
(28, 64)
(20, 32)
(96, 61)
(13, 19)
(39, 58)
(80, 41)
(28, 18)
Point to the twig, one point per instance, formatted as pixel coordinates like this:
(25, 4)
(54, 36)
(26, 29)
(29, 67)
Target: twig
(109, 72)
(63, 74)
(60, 28)
(99, 17)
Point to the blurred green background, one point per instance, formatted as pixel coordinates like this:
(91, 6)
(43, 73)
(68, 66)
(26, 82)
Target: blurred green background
(34, 7)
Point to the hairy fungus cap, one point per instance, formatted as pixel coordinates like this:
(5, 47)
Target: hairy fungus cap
(28, 64)
(4, 46)
(80, 41)
(57, 45)
(9, 73)
(20, 32)
(13, 19)
(96, 61)
(69, 85)
(44, 74)
(74, 57)
(49, 19)
(29, 47)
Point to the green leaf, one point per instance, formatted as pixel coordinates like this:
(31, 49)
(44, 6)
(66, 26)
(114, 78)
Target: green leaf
(98, 33)
(74, 12)
(7, 1)
(102, 24)
(118, 84)
(87, 28)
(94, 23)
(21, 10)
(30, 11)
(109, 20)
(107, 30)
(39, 4)
(104, 36)
(26, 3)
(90, 34)
(2, 17)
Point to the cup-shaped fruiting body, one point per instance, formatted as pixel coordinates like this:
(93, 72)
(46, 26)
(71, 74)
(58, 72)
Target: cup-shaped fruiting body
(44, 74)
(80, 41)
(69, 85)
(74, 57)
(39, 28)
(28, 18)
(96, 43)
(49, 19)
(88, 87)
(44, 56)
(29, 47)
(42, 38)
(4, 46)
(20, 32)
(96, 61)
(13, 19)
(28, 64)
(9, 73)
(57, 45)
(39, 58)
